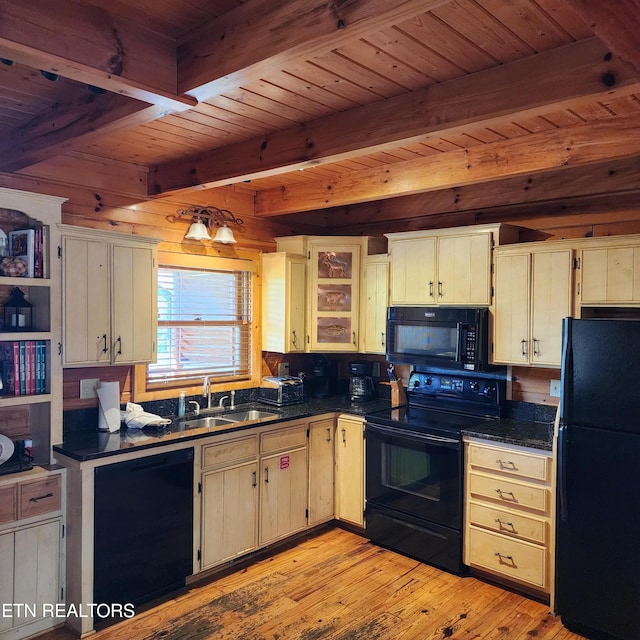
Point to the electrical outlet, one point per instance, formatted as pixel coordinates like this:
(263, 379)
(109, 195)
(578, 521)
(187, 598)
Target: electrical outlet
(554, 388)
(88, 388)
(283, 369)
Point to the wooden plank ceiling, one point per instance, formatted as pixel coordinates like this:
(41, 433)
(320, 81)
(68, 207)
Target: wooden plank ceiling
(318, 105)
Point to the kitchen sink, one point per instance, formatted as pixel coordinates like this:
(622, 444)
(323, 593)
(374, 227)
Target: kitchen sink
(208, 422)
(250, 415)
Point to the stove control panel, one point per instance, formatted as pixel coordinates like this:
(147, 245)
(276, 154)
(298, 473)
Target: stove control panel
(432, 386)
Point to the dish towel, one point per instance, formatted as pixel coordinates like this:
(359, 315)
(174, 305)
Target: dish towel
(136, 417)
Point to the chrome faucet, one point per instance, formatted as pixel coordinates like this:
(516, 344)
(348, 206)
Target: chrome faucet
(221, 403)
(196, 409)
(206, 391)
(233, 400)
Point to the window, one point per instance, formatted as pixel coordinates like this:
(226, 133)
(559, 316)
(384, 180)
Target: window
(204, 326)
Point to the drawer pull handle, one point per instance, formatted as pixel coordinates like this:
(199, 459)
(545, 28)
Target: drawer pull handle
(507, 464)
(266, 474)
(502, 494)
(255, 479)
(505, 559)
(505, 526)
(328, 435)
(44, 497)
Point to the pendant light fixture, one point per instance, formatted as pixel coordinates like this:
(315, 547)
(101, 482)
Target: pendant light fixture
(205, 218)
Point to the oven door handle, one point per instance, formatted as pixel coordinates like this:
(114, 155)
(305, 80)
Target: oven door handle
(412, 435)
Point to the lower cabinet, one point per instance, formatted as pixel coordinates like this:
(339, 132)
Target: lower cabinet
(283, 482)
(321, 470)
(30, 556)
(508, 514)
(229, 500)
(349, 480)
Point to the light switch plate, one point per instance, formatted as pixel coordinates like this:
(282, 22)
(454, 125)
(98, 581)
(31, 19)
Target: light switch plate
(88, 388)
(554, 388)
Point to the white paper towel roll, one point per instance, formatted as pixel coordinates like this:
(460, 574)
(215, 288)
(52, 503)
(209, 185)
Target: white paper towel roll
(109, 406)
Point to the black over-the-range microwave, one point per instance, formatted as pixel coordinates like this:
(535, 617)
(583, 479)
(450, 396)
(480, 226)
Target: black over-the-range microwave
(455, 338)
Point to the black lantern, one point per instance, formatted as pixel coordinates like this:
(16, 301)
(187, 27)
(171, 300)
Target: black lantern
(17, 312)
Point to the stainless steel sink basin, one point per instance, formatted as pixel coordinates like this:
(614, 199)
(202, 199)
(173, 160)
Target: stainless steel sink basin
(208, 422)
(250, 415)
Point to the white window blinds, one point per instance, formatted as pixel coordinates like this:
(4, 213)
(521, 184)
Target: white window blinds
(204, 325)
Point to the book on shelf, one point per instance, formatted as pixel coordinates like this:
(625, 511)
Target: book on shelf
(31, 246)
(23, 367)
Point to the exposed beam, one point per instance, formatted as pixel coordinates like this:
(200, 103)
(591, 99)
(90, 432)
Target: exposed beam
(616, 23)
(528, 155)
(257, 37)
(85, 43)
(583, 71)
(72, 122)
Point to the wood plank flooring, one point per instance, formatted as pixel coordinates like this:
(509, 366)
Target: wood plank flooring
(337, 585)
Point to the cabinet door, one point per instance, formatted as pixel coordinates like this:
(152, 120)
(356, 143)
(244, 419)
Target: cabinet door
(374, 309)
(37, 565)
(512, 308)
(87, 334)
(229, 513)
(464, 269)
(7, 572)
(350, 470)
(283, 494)
(413, 271)
(610, 275)
(296, 298)
(321, 464)
(550, 303)
(334, 295)
(134, 304)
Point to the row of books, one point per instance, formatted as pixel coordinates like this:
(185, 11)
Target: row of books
(24, 367)
(31, 246)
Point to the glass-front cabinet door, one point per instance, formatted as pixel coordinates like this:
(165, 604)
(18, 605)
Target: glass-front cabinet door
(334, 295)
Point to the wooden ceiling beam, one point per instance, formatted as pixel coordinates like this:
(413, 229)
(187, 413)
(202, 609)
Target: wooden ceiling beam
(617, 24)
(66, 124)
(579, 145)
(583, 71)
(257, 37)
(83, 42)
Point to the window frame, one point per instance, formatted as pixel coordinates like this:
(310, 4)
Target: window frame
(142, 392)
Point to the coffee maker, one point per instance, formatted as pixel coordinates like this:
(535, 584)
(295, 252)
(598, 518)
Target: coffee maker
(361, 383)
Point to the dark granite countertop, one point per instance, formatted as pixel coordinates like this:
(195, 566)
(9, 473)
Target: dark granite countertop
(89, 444)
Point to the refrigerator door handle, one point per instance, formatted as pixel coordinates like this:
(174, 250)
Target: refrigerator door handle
(562, 473)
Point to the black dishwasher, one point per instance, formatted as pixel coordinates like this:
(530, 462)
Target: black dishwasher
(143, 519)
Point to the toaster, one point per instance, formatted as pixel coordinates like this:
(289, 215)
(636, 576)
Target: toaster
(281, 390)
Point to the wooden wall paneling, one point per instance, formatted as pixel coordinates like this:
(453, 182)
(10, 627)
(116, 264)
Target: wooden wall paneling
(531, 384)
(71, 384)
(15, 422)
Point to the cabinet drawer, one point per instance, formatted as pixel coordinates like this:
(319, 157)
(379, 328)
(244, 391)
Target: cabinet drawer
(284, 439)
(232, 451)
(520, 463)
(509, 492)
(508, 522)
(39, 496)
(513, 558)
(8, 503)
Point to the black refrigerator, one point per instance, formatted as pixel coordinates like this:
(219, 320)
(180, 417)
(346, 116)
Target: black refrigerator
(598, 518)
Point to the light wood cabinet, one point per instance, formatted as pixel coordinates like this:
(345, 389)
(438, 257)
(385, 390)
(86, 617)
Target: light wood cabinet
(321, 470)
(31, 552)
(375, 299)
(610, 273)
(447, 266)
(283, 302)
(109, 298)
(283, 482)
(229, 512)
(350, 470)
(533, 294)
(508, 513)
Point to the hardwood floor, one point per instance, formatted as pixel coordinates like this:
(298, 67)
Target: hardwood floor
(338, 585)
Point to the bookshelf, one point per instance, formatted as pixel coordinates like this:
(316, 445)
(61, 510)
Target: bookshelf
(32, 413)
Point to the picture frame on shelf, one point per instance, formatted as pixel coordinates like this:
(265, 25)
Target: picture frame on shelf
(22, 245)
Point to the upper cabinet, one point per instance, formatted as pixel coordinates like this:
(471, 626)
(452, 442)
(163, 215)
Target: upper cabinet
(533, 284)
(610, 272)
(328, 287)
(109, 298)
(30, 365)
(446, 266)
(375, 298)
